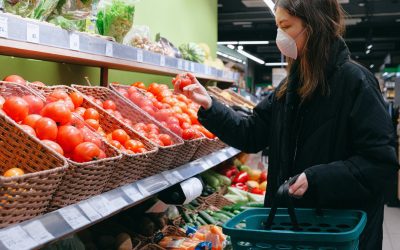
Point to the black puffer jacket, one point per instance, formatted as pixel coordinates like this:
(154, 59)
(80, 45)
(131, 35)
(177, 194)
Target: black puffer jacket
(343, 141)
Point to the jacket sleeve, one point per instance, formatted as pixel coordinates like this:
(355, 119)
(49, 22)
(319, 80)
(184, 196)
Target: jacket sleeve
(246, 133)
(363, 175)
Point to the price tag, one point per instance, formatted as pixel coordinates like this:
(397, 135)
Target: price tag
(162, 61)
(73, 217)
(16, 239)
(208, 70)
(32, 33)
(118, 203)
(4, 27)
(187, 65)
(38, 232)
(89, 211)
(192, 67)
(206, 164)
(101, 205)
(139, 55)
(132, 192)
(109, 49)
(74, 41)
(180, 64)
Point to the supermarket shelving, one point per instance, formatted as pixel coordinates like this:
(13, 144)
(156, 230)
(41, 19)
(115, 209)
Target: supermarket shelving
(28, 38)
(50, 227)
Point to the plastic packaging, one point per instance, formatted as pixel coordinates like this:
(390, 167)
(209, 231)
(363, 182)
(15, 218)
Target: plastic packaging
(138, 37)
(36, 9)
(115, 18)
(183, 243)
(209, 233)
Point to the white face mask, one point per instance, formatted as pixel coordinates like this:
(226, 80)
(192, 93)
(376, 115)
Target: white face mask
(286, 44)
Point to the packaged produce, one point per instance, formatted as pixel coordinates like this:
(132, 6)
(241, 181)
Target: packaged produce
(69, 24)
(115, 18)
(169, 48)
(183, 243)
(192, 52)
(36, 9)
(212, 234)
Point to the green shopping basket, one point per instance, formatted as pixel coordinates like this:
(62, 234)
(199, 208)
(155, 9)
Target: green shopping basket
(295, 229)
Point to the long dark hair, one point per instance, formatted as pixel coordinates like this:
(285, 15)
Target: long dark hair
(323, 22)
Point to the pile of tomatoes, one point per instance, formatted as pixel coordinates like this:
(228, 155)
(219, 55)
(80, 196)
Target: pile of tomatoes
(175, 112)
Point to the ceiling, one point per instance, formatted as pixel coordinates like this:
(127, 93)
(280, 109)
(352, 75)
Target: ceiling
(375, 22)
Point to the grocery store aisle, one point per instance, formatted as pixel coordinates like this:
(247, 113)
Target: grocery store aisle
(391, 229)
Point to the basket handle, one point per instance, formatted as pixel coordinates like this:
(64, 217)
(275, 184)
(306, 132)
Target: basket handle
(282, 195)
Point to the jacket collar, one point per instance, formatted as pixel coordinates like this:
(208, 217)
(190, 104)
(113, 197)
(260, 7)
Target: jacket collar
(339, 54)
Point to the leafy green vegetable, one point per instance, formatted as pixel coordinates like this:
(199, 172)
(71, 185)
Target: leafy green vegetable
(192, 52)
(68, 24)
(44, 8)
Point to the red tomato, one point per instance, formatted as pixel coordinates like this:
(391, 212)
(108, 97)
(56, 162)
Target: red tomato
(183, 118)
(154, 131)
(140, 126)
(166, 139)
(116, 144)
(31, 120)
(80, 111)
(149, 110)
(151, 126)
(38, 83)
(57, 111)
(29, 130)
(35, 104)
(91, 113)
(109, 104)
(15, 78)
(123, 92)
(185, 125)
(16, 108)
(158, 105)
(98, 102)
(175, 128)
(127, 122)
(177, 110)
(76, 121)
(132, 90)
(139, 85)
(2, 101)
(86, 152)
(153, 88)
(57, 95)
(102, 154)
(89, 136)
(189, 134)
(53, 145)
(154, 138)
(69, 137)
(120, 135)
(76, 98)
(133, 145)
(46, 128)
(142, 150)
(185, 80)
(117, 115)
(94, 124)
(162, 115)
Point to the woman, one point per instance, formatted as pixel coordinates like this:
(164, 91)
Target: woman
(327, 121)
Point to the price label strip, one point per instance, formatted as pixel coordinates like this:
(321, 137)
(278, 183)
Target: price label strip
(89, 211)
(173, 177)
(162, 61)
(180, 64)
(4, 27)
(101, 205)
(187, 65)
(38, 232)
(73, 217)
(192, 69)
(139, 55)
(32, 33)
(118, 203)
(220, 157)
(208, 70)
(74, 42)
(109, 49)
(132, 192)
(16, 239)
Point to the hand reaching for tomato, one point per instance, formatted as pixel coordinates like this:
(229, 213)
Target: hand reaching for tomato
(188, 85)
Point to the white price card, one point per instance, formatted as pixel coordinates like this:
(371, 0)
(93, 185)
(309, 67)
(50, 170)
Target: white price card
(187, 65)
(73, 217)
(139, 55)
(101, 205)
(180, 64)
(162, 61)
(16, 239)
(4, 27)
(32, 33)
(132, 192)
(192, 69)
(74, 42)
(89, 211)
(109, 49)
(118, 203)
(38, 232)
(208, 70)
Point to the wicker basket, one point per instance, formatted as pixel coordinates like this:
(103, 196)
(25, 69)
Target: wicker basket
(27, 196)
(82, 180)
(235, 98)
(152, 246)
(217, 200)
(190, 146)
(240, 98)
(207, 147)
(131, 167)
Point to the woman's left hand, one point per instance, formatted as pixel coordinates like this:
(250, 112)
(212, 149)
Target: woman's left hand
(299, 188)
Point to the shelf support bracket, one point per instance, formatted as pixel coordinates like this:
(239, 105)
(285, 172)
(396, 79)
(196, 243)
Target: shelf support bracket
(104, 77)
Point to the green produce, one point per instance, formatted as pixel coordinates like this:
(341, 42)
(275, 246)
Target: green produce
(237, 163)
(69, 24)
(36, 9)
(184, 215)
(221, 217)
(70, 243)
(222, 178)
(207, 218)
(192, 52)
(244, 168)
(115, 18)
(211, 180)
(44, 9)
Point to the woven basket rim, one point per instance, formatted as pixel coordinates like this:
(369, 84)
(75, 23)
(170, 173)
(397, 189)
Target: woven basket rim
(30, 175)
(179, 142)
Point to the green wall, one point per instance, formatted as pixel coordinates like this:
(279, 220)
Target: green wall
(180, 21)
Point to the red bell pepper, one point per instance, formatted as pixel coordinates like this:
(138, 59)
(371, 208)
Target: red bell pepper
(241, 177)
(229, 172)
(257, 191)
(241, 186)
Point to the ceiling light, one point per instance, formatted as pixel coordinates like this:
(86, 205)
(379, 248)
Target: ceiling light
(367, 52)
(230, 46)
(226, 43)
(254, 42)
(370, 46)
(229, 57)
(240, 47)
(271, 6)
(220, 5)
(371, 66)
(242, 23)
(398, 20)
(361, 4)
(276, 64)
(258, 60)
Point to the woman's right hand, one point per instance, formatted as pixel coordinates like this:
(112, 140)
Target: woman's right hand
(195, 91)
